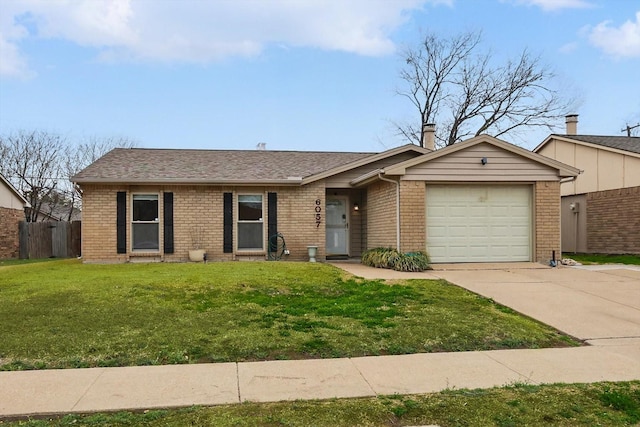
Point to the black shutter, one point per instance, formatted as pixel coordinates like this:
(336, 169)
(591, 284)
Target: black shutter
(227, 243)
(121, 222)
(272, 212)
(168, 223)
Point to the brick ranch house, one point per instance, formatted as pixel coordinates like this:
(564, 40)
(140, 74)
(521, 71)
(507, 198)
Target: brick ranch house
(12, 206)
(482, 200)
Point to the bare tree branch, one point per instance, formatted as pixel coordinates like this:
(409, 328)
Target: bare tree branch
(39, 164)
(453, 84)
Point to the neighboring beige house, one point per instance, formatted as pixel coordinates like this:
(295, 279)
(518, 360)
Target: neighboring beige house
(482, 200)
(600, 208)
(12, 205)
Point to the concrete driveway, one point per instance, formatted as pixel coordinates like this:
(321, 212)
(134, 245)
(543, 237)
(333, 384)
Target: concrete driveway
(599, 306)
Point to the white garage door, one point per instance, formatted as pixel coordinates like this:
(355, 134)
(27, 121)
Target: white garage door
(479, 223)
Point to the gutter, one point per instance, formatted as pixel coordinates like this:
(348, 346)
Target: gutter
(170, 181)
(397, 183)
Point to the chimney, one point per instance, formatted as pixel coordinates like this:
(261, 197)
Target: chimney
(261, 146)
(572, 124)
(429, 136)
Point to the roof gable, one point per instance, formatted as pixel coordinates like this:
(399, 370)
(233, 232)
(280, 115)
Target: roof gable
(367, 161)
(628, 145)
(563, 169)
(14, 191)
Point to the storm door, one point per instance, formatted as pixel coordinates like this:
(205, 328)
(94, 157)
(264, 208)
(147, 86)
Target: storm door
(337, 226)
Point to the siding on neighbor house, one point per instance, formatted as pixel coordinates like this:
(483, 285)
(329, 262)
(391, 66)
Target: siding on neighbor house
(613, 225)
(465, 166)
(200, 206)
(602, 168)
(9, 232)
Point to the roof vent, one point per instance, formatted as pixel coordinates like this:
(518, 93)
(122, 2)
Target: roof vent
(261, 146)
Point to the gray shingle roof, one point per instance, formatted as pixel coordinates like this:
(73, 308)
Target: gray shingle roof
(625, 143)
(210, 166)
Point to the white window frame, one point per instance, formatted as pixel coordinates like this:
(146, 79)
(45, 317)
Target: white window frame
(238, 222)
(133, 223)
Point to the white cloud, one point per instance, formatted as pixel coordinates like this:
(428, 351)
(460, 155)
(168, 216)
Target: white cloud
(568, 47)
(12, 63)
(550, 5)
(622, 41)
(203, 31)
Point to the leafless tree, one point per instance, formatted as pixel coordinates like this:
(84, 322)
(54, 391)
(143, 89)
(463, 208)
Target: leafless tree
(39, 164)
(31, 161)
(451, 82)
(82, 155)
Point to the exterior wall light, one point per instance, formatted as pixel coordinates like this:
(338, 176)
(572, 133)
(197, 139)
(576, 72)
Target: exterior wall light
(356, 207)
(484, 161)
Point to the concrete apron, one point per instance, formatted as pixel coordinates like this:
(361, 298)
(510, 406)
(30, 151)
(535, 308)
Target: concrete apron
(592, 305)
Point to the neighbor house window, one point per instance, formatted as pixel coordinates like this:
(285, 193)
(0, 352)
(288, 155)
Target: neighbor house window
(250, 223)
(145, 225)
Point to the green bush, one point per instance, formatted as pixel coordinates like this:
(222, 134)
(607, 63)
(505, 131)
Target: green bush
(392, 259)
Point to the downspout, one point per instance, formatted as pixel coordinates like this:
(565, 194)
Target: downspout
(397, 183)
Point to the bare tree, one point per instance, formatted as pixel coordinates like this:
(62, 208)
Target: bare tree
(82, 155)
(455, 85)
(31, 161)
(39, 164)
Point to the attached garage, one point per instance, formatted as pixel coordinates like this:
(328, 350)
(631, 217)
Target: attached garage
(481, 200)
(479, 223)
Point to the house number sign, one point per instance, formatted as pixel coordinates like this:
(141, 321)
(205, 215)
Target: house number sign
(318, 210)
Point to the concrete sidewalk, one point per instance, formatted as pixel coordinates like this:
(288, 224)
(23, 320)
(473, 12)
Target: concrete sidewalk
(600, 306)
(110, 389)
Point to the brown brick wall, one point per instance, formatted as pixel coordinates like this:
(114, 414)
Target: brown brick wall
(613, 221)
(201, 207)
(10, 232)
(413, 216)
(547, 220)
(381, 215)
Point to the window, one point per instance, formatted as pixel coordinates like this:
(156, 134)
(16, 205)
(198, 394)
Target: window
(145, 225)
(250, 224)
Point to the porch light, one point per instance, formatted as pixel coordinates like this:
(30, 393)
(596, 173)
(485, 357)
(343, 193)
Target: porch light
(356, 207)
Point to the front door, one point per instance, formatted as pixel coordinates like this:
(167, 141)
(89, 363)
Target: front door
(337, 227)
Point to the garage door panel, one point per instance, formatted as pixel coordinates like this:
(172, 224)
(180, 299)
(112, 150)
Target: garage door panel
(483, 223)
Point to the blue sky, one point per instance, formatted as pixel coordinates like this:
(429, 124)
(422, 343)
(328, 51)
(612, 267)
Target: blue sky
(295, 74)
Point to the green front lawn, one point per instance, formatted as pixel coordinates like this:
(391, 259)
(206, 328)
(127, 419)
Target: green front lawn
(601, 404)
(604, 258)
(64, 314)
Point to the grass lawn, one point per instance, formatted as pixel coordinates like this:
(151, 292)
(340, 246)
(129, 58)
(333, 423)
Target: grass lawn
(600, 404)
(64, 314)
(604, 258)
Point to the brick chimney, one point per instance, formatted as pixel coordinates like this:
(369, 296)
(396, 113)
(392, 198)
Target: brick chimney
(572, 124)
(429, 136)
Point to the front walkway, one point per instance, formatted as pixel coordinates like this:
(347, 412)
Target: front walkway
(611, 298)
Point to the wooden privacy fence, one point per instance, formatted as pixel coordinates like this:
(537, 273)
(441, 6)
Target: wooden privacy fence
(51, 239)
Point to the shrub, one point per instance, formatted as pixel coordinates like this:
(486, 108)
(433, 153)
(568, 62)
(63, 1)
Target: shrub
(392, 259)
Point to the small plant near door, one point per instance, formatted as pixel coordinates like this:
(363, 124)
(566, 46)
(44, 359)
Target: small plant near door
(197, 252)
(392, 259)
